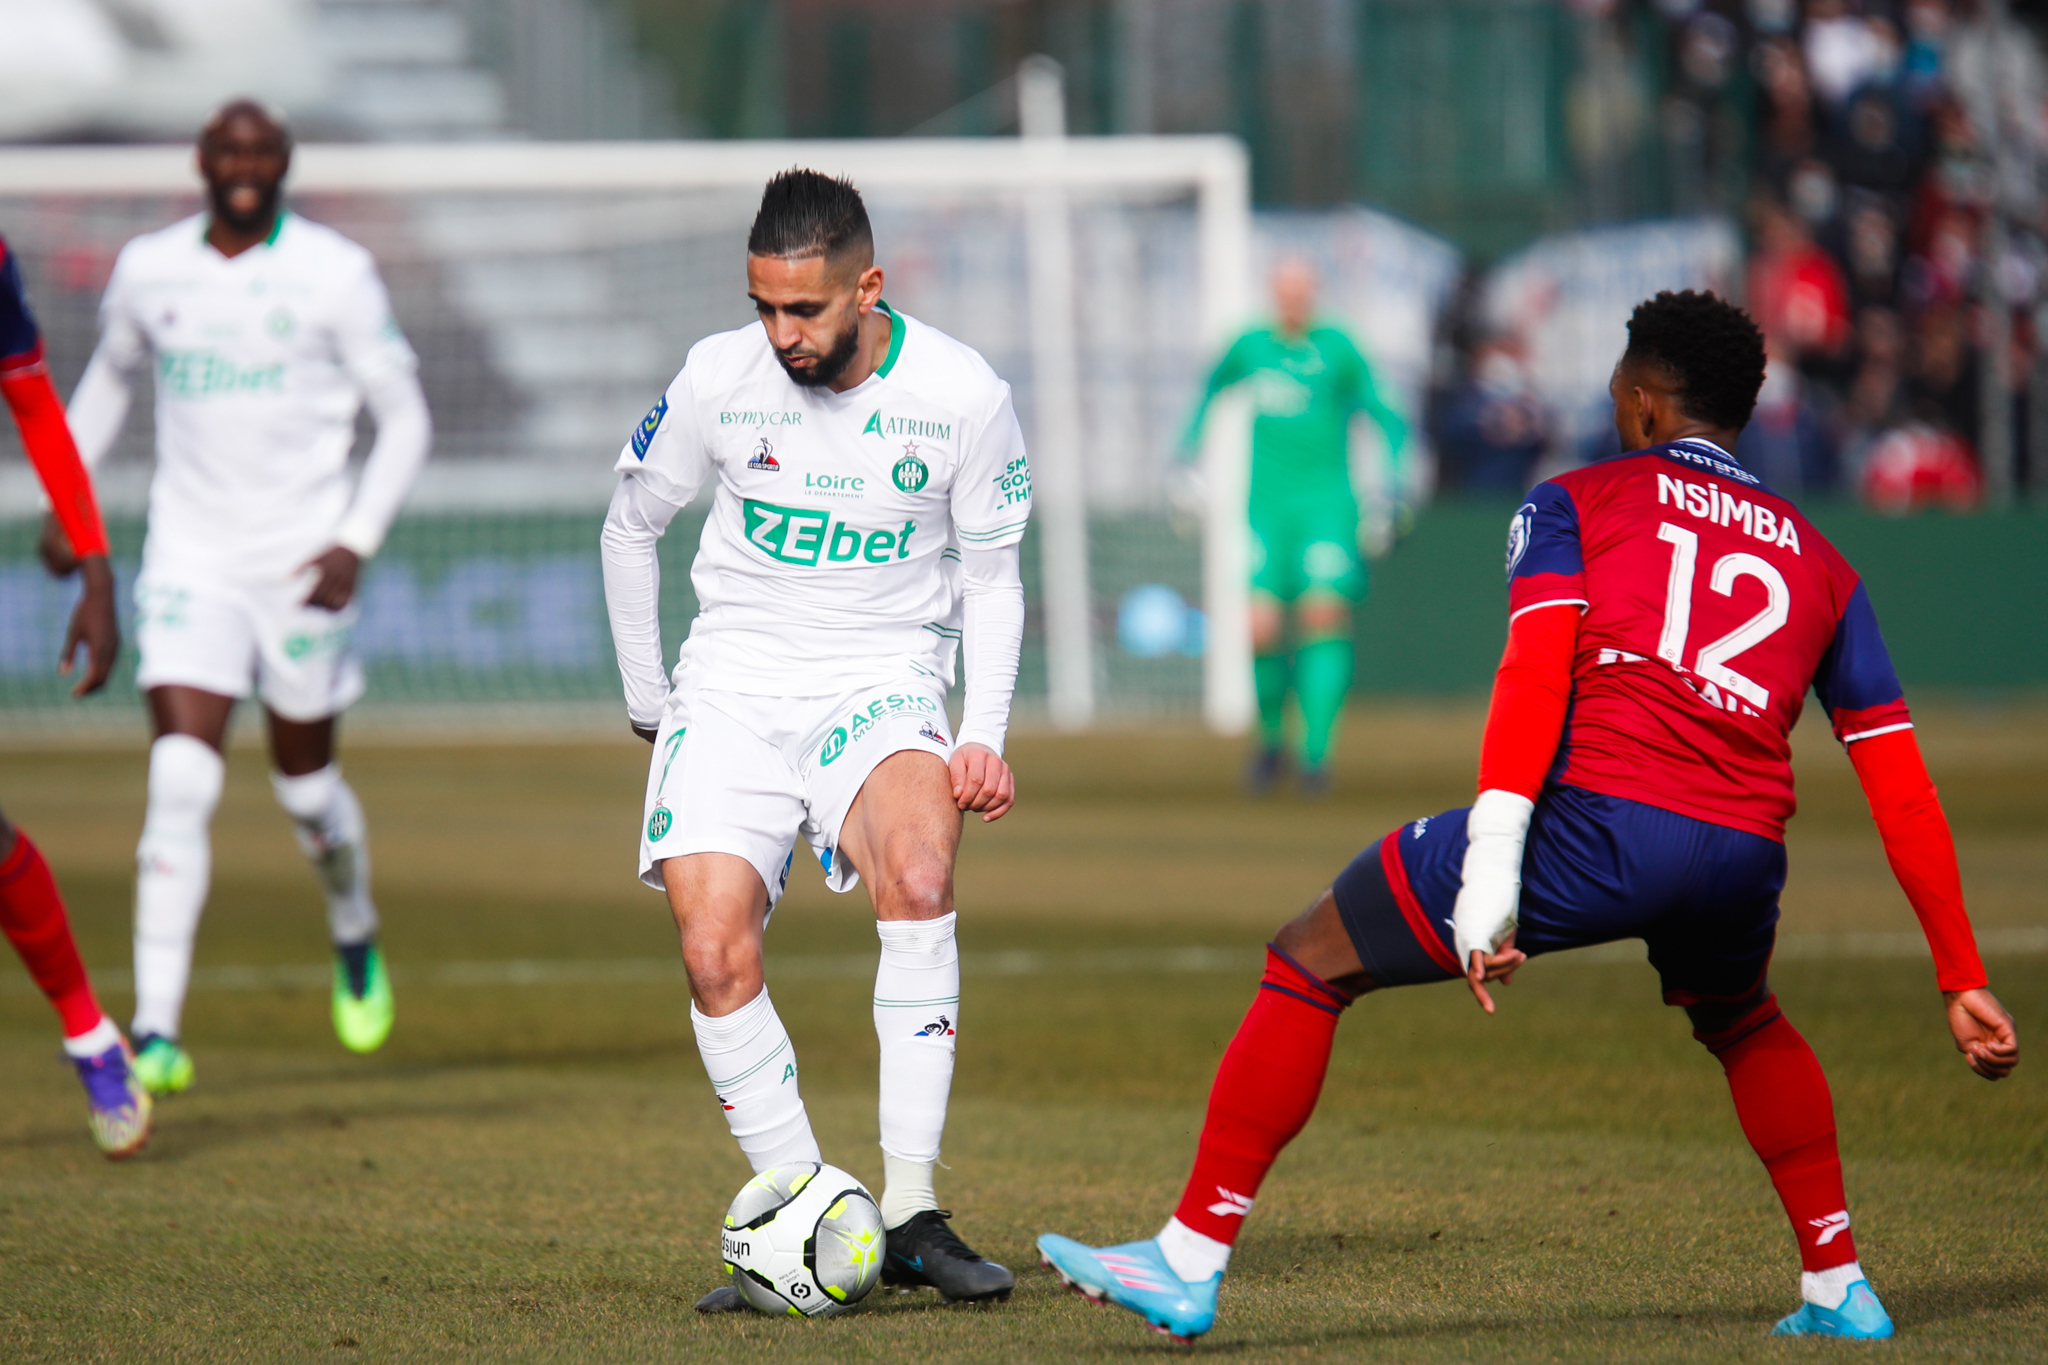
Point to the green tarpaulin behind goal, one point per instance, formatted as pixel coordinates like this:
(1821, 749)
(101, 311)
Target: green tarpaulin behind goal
(505, 610)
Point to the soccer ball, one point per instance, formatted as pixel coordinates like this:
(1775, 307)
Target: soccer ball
(804, 1240)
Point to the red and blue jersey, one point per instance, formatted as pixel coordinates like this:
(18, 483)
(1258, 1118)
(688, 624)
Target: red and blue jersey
(1711, 605)
(21, 345)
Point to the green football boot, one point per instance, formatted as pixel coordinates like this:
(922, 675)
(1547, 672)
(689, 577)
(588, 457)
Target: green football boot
(362, 997)
(161, 1065)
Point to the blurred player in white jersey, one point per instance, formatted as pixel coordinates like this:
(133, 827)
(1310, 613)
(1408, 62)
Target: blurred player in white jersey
(267, 333)
(869, 491)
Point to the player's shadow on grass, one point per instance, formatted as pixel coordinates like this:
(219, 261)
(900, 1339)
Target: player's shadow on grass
(1941, 1300)
(207, 1132)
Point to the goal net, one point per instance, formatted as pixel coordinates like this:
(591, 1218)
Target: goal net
(552, 291)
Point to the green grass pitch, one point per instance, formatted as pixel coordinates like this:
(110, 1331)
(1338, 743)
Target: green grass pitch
(534, 1167)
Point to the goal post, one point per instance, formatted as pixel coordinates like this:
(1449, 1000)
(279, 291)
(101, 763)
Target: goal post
(552, 289)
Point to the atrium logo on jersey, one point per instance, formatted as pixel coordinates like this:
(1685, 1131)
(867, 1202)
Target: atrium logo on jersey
(885, 427)
(643, 435)
(810, 536)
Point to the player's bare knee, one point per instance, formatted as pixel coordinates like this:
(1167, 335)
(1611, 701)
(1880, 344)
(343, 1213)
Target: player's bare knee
(725, 973)
(921, 889)
(1317, 940)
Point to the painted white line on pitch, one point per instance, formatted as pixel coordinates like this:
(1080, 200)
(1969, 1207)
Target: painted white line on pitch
(1011, 963)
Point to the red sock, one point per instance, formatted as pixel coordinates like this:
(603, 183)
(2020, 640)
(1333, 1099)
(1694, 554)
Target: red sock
(1782, 1098)
(1265, 1090)
(32, 914)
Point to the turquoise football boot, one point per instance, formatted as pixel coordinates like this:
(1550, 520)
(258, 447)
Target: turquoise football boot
(1135, 1276)
(1859, 1316)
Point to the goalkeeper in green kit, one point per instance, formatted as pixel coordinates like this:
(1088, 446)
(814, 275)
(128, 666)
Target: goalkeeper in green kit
(1306, 379)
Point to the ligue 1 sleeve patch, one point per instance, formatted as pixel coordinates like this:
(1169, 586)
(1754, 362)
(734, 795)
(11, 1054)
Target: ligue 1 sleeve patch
(643, 435)
(1519, 533)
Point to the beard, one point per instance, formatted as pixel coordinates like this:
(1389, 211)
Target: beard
(830, 365)
(225, 210)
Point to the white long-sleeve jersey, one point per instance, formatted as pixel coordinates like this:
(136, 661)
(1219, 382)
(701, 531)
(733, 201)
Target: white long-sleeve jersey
(853, 537)
(261, 362)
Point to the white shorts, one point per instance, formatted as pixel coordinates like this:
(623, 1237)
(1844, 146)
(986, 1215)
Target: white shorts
(747, 775)
(237, 638)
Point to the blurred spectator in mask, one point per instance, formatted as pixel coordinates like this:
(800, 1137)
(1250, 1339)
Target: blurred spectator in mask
(1789, 128)
(1877, 396)
(1876, 144)
(1796, 291)
(1940, 273)
(1871, 248)
(1787, 443)
(1492, 429)
(1845, 51)
(1943, 387)
(1927, 25)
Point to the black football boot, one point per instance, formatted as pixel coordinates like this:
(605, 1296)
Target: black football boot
(926, 1251)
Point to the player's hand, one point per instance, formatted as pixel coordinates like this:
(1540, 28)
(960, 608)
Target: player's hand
(1495, 966)
(1984, 1032)
(982, 781)
(646, 732)
(53, 547)
(95, 626)
(337, 586)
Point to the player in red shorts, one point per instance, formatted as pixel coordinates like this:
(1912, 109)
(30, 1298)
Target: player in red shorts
(1667, 614)
(31, 912)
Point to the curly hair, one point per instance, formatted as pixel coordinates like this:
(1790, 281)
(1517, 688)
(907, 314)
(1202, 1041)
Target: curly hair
(1708, 346)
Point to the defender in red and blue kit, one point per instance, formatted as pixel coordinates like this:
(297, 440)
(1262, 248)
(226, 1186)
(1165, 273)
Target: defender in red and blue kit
(1667, 614)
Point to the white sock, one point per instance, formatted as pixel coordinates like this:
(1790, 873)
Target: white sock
(173, 865)
(1827, 1288)
(94, 1040)
(917, 1012)
(906, 1190)
(336, 841)
(752, 1067)
(1192, 1255)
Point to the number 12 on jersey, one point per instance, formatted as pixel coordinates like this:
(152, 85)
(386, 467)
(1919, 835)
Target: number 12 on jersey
(1712, 662)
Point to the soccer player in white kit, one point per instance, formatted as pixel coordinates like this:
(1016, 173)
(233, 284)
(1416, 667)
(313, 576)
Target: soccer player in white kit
(870, 488)
(267, 333)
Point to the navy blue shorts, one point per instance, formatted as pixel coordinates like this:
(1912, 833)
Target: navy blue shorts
(1596, 868)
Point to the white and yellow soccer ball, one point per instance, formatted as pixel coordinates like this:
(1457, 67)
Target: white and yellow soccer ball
(804, 1240)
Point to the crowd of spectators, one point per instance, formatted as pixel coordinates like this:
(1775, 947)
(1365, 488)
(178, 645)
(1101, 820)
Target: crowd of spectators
(1894, 228)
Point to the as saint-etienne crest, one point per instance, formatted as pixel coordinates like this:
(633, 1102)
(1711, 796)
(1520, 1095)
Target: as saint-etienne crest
(910, 472)
(658, 823)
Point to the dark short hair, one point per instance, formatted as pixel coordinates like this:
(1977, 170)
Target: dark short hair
(804, 213)
(244, 107)
(1709, 348)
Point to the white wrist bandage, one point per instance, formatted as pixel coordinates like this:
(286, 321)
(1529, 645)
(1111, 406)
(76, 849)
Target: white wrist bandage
(1495, 832)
